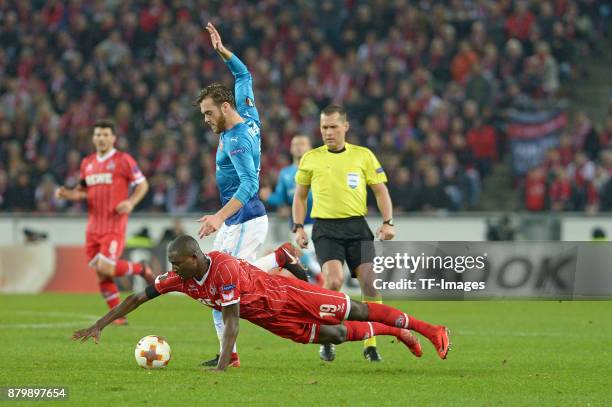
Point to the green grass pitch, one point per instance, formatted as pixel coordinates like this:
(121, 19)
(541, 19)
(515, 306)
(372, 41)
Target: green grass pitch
(504, 353)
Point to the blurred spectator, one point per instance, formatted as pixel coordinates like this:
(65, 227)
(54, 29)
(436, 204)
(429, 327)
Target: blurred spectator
(404, 193)
(432, 196)
(183, 193)
(415, 76)
(534, 190)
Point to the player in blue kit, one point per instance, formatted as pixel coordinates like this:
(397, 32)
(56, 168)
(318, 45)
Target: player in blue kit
(282, 198)
(241, 224)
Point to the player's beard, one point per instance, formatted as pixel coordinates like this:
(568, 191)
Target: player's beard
(220, 125)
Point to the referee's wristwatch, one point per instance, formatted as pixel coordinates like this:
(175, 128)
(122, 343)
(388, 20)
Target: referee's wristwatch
(388, 222)
(297, 226)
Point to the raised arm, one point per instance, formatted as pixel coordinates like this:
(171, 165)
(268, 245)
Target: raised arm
(243, 86)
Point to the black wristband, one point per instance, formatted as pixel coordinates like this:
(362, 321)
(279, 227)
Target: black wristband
(297, 226)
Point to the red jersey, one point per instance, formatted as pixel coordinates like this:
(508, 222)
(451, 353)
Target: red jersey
(108, 180)
(264, 299)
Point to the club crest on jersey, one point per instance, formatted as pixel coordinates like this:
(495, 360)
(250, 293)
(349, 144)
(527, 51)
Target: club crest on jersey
(212, 290)
(111, 166)
(249, 102)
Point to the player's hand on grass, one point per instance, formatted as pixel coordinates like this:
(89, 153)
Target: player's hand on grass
(301, 238)
(84, 334)
(209, 225)
(125, 207)
(386, 232)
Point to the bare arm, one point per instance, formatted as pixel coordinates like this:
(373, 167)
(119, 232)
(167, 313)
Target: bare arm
(231, 319)
(129, 204)
(217, 44)
(299, 207)
(385, 206)
(74, 194)
(128, 305)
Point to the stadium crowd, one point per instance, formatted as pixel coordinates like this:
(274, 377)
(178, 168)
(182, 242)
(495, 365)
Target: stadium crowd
(425, 84)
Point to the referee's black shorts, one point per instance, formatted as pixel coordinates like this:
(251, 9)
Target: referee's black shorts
(347, 239)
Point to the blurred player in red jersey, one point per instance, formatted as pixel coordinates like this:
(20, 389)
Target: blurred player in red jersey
(287, 307)
(106, 177)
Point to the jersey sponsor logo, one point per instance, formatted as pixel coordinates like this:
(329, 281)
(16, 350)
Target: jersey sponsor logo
(352, 180)
(237, 151)
(380, 170)
(228, 287)
(249, 102)
(330, 310)
(96, 179)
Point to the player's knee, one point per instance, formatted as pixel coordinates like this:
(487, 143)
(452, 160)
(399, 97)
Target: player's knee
(333, 283)
(104, 269)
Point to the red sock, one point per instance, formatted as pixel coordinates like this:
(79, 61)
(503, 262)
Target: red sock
(394, 317)
(109, 292)
(126, 268)
(358, 331)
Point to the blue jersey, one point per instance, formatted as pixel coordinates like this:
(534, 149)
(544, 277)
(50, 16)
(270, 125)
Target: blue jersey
(285, 188)
(239, 151)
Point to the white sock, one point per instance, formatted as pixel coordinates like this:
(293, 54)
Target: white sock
(266, 263)
(220, 328)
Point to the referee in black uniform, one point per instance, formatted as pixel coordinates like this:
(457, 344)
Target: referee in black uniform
(338, 173)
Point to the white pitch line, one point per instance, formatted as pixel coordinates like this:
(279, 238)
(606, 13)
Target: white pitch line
(49, 325)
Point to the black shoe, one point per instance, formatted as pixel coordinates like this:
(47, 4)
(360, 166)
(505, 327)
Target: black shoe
(371, 354)
(327, 352)
(213, 362)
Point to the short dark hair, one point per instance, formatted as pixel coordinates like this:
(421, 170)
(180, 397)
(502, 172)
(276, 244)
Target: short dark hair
(331, 109)
(184, 245)
(218, 93)
(105, 124)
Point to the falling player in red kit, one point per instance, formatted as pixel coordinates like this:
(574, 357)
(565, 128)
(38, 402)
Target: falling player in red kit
(106, 177)
(287, 307)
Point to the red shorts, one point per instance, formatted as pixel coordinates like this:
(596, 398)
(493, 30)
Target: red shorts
(306, 309)
(107, 246)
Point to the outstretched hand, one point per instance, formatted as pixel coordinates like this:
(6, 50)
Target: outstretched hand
(84, 334)
(215, 37)
(217, 44)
